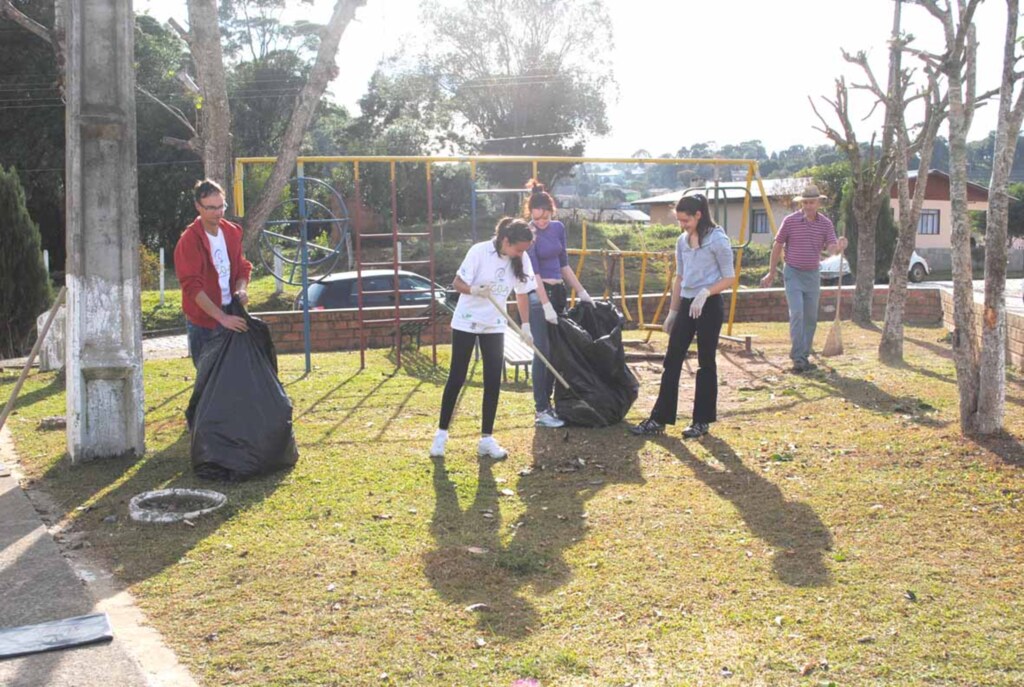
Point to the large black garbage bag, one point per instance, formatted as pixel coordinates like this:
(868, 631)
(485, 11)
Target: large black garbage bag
(239, 415)
(586, 349)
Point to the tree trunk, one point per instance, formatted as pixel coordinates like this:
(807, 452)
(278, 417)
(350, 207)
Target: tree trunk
(324, 70)
(992, 377)
(890, 349)
(204, 44)
(866, 215)
(965, 351)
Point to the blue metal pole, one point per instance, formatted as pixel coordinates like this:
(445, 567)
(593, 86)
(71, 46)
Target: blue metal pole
(305, 269)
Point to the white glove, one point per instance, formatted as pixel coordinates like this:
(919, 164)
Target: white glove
(483, 290)
(527, 335)
(698, 303)
(666, 326)
(549, 314)
(584, 296)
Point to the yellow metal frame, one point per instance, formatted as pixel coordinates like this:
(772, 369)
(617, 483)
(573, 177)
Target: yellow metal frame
(614, 254)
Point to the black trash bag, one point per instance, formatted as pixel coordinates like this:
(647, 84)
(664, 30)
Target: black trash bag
(239, 416)
(586, 349)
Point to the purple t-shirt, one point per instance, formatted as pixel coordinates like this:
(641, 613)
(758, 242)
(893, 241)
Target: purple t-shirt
(805, 241)
(548, 252)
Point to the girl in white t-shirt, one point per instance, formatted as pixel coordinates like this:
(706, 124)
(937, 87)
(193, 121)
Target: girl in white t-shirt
(492, 268)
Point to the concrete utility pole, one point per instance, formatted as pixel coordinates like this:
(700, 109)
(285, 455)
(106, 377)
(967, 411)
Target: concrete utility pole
(104, 330)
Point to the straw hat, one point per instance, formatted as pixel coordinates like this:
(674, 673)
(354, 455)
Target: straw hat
(810, 193)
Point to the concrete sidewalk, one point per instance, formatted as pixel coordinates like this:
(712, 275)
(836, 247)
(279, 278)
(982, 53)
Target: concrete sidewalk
(37, 584)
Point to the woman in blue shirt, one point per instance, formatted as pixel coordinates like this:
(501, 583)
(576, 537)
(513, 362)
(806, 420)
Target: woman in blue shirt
(550, 259)
(704, 268)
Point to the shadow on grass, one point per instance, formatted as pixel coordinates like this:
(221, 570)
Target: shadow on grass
(795, 532)
(472, 563)
(56, 386)
(421, 366)
(1005, 445)
(92, 491)
(869, 396)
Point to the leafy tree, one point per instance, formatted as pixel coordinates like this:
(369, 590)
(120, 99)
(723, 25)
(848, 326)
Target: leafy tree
(24, 285)
(32, 123)
(527, 77)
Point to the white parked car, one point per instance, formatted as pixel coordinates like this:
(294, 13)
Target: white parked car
(917, 271)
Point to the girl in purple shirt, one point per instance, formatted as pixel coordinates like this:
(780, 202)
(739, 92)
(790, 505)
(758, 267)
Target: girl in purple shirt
(550, 261)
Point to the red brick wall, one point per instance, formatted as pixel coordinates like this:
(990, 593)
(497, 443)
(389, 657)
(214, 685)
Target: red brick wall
(338, 330)
(769, 305)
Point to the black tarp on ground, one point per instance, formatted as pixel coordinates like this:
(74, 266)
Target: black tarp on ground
(586, 349)
(239, 416)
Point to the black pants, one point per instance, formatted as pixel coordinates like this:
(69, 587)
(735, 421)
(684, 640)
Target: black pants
(706, 328)
(492, 349)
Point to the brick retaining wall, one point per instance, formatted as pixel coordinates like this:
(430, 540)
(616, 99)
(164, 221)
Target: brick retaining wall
(338, 330)
(1014, 328)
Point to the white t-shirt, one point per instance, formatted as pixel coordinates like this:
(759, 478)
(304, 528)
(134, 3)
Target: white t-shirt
(222, 263)
(483, 265)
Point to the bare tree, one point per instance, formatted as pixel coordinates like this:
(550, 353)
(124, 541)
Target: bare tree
(890, 348)
(871, 171)
(960, 68)
(992, 373)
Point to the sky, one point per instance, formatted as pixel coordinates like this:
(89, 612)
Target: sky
(688, 72)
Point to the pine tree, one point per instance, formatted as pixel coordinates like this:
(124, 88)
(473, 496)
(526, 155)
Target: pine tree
(24, 284)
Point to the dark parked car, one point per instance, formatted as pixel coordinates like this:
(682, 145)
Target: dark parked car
(338, 290)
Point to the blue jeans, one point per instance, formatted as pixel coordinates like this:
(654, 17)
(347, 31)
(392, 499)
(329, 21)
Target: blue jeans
(198, 337)
(543, 380)
(803, 291)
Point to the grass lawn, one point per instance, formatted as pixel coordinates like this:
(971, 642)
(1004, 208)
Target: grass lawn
(261, 299)
(835, 529)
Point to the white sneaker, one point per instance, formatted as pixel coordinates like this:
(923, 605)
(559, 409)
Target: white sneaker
(490, 448)
(437, 448)
(547, 418)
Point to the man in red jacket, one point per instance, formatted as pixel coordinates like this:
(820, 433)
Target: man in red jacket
(209, 262)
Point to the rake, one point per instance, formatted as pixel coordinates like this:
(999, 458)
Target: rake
(543, 358)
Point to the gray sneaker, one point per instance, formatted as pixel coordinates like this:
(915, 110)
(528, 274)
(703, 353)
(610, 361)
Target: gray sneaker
(547, 418)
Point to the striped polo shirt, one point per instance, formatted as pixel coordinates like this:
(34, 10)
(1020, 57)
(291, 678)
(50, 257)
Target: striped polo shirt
(805, 240)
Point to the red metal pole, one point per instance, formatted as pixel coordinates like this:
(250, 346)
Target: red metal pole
(433, 298)
(394, 260)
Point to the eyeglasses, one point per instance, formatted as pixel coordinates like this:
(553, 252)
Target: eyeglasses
(214, 208)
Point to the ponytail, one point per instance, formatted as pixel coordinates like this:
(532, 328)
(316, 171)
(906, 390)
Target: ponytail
(513, 230)
(691, 205)
(538, 197)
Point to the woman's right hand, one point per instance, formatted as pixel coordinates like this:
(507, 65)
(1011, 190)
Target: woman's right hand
(549, 313)
(527, 334)
(670, 320)
(481, 290)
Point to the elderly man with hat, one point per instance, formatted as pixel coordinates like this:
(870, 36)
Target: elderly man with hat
(804, 235)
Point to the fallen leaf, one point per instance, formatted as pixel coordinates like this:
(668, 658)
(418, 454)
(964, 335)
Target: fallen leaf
(476, 550)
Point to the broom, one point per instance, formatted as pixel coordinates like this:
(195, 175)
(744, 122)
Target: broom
(834, 342)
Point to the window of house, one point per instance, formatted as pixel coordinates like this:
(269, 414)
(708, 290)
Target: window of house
(928, 222)
(759, 222)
